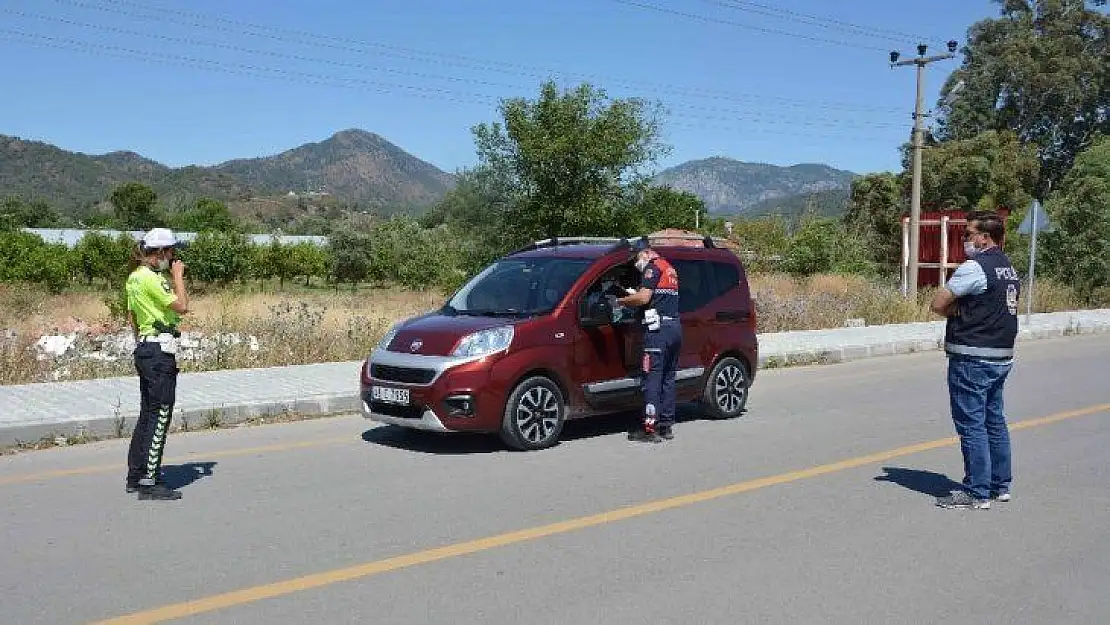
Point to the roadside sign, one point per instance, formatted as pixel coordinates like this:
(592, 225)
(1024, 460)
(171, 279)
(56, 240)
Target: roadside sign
(1036, 221)
(1036, 218)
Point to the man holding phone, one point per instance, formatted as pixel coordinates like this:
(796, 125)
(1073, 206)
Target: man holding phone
(154, 310)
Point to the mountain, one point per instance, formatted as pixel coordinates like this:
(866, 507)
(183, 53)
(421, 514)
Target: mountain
(828, 203)
(353, 166)
(730, 186)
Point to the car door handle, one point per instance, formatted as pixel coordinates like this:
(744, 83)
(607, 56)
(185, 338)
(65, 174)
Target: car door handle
(733, 315)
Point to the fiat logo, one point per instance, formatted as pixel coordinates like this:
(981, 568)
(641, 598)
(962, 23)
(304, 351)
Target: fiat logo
(415, 346)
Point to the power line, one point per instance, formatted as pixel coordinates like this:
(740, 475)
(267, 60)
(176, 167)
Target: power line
(257, 71)
(776, 118)
(762, 29)
(286, 35)
(236, 48)
(819, 21)
(237, 67)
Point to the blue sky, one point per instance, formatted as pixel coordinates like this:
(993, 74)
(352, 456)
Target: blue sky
(746, 79)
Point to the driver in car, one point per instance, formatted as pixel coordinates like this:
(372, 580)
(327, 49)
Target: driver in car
(662, 342)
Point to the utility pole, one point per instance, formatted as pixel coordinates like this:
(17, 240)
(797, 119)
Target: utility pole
(918, 143)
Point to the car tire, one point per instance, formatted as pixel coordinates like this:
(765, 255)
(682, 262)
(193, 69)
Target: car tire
(726, 389)
(534, 415)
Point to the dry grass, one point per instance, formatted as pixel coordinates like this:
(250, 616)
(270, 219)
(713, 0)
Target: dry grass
(828, 301)
(296, 327)
(306, 326)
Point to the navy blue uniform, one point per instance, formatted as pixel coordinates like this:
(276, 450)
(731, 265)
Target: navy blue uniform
(661, 346)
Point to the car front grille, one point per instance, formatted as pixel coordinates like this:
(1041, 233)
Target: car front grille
(393, 410)
(405, 375)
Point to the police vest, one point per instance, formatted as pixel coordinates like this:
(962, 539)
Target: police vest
(662, 278)
(986, 325)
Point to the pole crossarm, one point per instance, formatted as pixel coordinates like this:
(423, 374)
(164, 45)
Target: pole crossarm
(923, 60)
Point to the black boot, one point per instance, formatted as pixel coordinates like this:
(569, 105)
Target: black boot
(159, 492)
(642, 435)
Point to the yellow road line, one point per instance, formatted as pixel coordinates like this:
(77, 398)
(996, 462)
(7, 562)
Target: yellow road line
(199, 455)
(317, 580)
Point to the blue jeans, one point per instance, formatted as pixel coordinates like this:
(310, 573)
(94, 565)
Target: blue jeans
(975, 390)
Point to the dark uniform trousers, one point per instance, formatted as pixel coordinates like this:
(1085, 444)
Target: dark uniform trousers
(158, 387)
(661, 349)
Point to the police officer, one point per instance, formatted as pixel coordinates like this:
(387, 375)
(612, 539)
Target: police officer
(154, 308)
(981, 304)
(662, 342)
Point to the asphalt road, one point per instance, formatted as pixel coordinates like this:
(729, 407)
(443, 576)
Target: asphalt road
(815, 506)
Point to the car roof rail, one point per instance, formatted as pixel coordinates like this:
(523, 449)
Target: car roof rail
(637, 243)
(557, 241)
(707, 241)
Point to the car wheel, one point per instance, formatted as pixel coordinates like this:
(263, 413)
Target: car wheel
(534, 415)
(726, 389)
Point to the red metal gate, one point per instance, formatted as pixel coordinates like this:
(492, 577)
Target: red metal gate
(940, 245)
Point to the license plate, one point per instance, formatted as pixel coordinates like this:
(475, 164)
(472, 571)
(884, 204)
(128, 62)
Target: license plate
(388, 395)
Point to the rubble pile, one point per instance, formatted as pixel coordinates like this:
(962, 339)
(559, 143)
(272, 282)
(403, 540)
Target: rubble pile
(110, 347)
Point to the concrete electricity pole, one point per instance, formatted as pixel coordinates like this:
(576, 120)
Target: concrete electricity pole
(918, 143)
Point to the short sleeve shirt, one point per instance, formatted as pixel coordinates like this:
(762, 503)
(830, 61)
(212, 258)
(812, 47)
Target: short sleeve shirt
(149, 296)
(968, 279)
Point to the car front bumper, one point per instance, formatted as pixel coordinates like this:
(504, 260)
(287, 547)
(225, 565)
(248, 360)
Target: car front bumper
(427, 419)
(438, 389)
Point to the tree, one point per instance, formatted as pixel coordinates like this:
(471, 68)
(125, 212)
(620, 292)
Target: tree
(564, 159)
(1078, 252)
(479, 205)
(206, 214)
(821, 245)
(650, 208)
(988, 170)
(135, 206)
(98, 256)
(25, 257)
(405, 253)
(350, 257)
(15, 214)
(1042, 70)
(217, 257)
(308, 260)
(874, 215)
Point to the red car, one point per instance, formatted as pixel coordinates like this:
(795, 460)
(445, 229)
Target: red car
(533, 341)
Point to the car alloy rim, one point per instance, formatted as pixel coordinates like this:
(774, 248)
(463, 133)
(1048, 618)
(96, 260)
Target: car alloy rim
(729, 388)
(537, 414)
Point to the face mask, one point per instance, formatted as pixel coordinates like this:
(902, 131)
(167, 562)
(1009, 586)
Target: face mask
(641, 264)
(970, 250)
(163, 263)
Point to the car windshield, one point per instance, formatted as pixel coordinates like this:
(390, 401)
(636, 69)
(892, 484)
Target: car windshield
(518, 287)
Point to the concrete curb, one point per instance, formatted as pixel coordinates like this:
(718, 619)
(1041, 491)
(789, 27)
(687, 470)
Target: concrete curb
(107, 408)
(846, 344)
(188, 418)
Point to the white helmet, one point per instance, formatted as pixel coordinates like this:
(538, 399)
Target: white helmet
(159, 238)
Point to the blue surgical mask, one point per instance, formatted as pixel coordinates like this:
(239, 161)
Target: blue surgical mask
(970, 250)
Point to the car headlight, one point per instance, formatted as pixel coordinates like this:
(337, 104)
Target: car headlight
(386, 339)
(485, 342)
